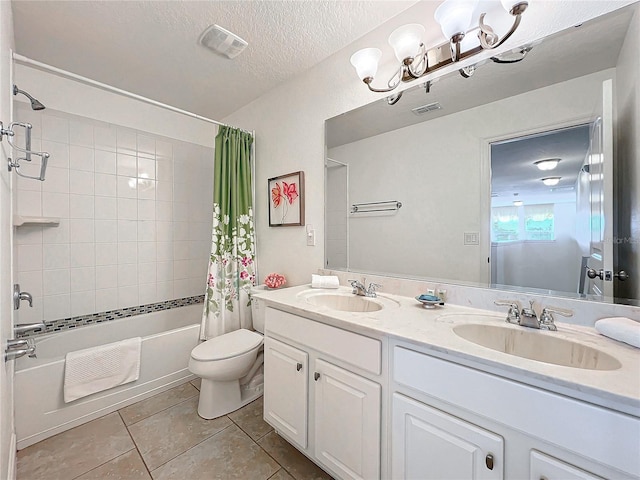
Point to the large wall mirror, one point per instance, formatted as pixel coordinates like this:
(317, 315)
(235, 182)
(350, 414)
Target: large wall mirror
(448, 183)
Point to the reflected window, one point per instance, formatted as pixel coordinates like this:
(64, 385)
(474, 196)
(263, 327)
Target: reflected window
(525, 223)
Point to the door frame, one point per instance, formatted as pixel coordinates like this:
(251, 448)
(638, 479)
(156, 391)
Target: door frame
(485, 180)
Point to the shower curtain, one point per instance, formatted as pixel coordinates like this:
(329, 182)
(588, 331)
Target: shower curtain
(231, 271)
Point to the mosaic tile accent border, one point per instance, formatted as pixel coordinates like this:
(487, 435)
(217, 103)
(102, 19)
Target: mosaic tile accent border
(85, 320)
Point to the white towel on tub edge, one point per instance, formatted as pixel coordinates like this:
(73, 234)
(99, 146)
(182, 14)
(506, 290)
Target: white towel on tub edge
(99, 368)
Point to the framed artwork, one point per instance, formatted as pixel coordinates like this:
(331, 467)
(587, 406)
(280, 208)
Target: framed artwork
(286, 200)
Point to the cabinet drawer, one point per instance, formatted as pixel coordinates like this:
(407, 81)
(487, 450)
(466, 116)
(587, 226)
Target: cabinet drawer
(533, 411)
(360, 351)
(549, 468)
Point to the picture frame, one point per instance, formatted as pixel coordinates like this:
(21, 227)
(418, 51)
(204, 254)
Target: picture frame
(286, 200)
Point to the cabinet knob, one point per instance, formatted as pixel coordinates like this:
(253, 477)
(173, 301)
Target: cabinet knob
(488, 461)
(316, 376)
(299, 367)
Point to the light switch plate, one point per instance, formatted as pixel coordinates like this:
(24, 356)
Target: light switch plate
(471, 238)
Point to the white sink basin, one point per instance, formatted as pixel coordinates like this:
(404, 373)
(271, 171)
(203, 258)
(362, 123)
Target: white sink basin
(536, 345)
(345, 302)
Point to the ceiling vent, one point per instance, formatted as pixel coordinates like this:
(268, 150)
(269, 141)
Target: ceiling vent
(222, 41)
(427, 108)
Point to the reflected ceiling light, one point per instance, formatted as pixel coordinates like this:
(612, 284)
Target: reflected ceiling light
(455, 19)
(547, 164)
(518, 203)
(551, 181)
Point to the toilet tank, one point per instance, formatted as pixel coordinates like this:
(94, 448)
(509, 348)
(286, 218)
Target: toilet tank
(257, 309)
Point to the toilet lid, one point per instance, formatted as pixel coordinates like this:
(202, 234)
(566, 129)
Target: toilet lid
(226, 346)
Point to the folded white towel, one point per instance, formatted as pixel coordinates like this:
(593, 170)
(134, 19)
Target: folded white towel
(620, 328)
(98, 368)
(324, 281)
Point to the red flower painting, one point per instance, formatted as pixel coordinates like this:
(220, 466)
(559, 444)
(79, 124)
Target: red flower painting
(286, 198)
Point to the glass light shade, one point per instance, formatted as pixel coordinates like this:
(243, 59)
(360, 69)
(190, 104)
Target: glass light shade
(551, 181)
(365, 62)
(406, 40)
(454, 16)
(548, 164)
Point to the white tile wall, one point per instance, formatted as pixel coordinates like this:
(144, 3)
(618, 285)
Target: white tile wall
(135, 218)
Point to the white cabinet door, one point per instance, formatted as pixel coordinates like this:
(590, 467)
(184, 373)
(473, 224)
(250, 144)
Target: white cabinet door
(347, 422)
(285, 390)
(544, 467)
(428, 444)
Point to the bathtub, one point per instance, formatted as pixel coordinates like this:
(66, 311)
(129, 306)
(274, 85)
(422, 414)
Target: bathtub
(168, 337)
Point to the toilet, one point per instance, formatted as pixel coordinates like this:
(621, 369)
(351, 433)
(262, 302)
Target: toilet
(230, 366)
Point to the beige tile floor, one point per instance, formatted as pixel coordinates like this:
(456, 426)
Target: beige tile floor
(163, 437)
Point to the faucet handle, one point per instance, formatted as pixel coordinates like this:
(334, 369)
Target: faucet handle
(546, 317)
(371, 291)
(560, 311)
(513, 316)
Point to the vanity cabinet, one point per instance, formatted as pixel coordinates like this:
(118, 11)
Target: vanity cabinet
(321, 393)
(449, 418)
(429, 444)
(286, 392)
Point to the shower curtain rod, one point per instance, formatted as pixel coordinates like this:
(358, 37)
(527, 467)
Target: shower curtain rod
(64, 73)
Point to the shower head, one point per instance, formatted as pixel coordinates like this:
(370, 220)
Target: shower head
(35, 104)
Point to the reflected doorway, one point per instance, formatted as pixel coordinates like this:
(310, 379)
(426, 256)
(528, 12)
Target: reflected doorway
(540, 210)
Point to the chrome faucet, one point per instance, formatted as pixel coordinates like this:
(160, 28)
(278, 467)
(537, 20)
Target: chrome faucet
(360, 290)
(527, 317)
(18, 347)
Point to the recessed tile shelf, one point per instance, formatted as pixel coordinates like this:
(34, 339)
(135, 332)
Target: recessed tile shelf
(20, 221)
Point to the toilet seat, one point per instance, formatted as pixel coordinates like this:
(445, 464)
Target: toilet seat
(226, 346)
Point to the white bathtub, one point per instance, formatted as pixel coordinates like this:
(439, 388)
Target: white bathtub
(168, 337)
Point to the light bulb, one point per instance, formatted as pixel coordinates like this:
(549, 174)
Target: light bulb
(406, 40)
(551, 181)
(365, 62)
(454, 16)
(518, 203)
(547, 164)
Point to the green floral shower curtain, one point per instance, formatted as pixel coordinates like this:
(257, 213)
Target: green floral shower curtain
(232, 261)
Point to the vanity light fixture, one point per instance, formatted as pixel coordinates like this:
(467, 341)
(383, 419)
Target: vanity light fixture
(551, 181)
(547, 164)
(454, 17)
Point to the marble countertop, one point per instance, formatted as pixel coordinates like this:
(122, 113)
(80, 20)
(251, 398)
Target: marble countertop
(431, 330)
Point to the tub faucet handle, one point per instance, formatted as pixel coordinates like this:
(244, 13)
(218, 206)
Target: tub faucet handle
(18, 296)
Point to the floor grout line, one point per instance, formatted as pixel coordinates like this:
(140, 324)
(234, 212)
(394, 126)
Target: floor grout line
(104, 463)
(191, 447)
(135, 445)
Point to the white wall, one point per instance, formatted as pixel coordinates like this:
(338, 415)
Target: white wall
(628, 160)
(336, 247)
(543, 265)
(134, 206)
(441, 187)
(7, 447)
(289, 122)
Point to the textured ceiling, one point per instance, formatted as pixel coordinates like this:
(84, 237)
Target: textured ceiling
(151, 47)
